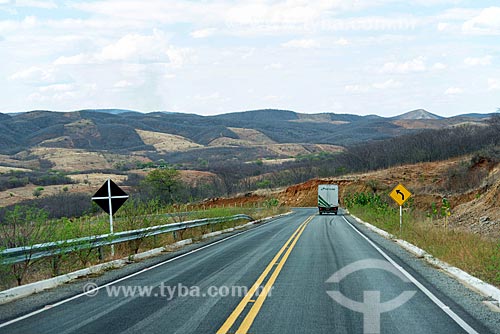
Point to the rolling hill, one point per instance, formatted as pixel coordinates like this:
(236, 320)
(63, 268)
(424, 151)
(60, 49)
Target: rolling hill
(181, 138)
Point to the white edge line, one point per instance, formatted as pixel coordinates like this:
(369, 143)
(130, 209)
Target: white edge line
(419, 285)
(28, 315)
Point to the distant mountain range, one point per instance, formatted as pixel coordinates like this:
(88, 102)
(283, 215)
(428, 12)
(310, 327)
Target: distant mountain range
(179, 137)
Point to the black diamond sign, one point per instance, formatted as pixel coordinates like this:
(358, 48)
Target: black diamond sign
(108, 194)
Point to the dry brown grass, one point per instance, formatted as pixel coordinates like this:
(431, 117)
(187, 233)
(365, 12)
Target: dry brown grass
(24, 161)
(473, 253)
(71, 160)
(85, 183)
(164, 142)
(5, 169)
(252, 136)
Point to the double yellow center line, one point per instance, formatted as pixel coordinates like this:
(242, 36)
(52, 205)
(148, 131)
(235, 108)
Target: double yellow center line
(257, 304)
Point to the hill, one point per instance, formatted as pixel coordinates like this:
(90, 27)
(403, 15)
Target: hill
(179, 138)
(418, 114)
(102, 127)
(474, 207)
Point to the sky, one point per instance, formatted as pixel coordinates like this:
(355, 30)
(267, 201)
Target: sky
(383, 57)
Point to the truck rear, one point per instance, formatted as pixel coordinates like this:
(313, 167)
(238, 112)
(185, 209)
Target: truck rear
(328, 198)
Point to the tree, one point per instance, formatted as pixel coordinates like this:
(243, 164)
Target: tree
(24, 226)
(162, 184)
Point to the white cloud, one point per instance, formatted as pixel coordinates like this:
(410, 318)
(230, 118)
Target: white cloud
(414, 65)
(225, 12)
(479, 61)
(370, 23)
(274, 66)
(444, 26)
(134, 49)
(56, 88)
(46, 4)
(61, 93)
(356, 88)
(137, 48)
(75, 60)
(290, 12)
(273, 98)
(212, 96)
(493, 84)
(123, 84)
(29, 22)
(301, 44)
(203, 33)
(454, 91)
(166, 12)
(388, 84)
(178, 57)
(342, 41)
(487, 22)
(458, 14)
(432, 3)
(439, 66)
(363, 88)
(38, 75)
(56, 53)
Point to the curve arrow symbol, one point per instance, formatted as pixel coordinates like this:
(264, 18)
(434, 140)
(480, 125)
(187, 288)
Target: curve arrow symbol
(400, 193)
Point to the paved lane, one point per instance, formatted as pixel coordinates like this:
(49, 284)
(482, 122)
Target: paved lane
(232, 263)
(300, 303)
(288, 261)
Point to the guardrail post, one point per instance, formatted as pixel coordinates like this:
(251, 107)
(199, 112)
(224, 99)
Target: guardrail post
(100, 253)
(56, 265)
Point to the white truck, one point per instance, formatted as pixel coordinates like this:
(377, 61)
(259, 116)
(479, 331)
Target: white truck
(328, 198)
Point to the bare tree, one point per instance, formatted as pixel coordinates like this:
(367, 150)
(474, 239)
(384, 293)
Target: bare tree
(24, 227)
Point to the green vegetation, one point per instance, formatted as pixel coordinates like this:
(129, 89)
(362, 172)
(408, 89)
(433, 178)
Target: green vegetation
(470, 252)
(162, 185)
(147, 165)
(38, 191)
(315, 156)
(15, 179)
(25, 226)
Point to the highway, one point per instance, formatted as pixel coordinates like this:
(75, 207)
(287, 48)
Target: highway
(311, 274)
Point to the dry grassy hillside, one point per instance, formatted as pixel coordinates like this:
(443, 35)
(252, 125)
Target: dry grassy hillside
(476, 209)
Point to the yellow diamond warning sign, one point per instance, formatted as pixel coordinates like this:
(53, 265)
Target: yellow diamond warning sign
(400, 194)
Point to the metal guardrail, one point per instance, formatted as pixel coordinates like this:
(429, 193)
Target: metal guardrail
(28, 253)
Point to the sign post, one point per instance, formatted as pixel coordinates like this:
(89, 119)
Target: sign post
(110, 198)
(400, 195)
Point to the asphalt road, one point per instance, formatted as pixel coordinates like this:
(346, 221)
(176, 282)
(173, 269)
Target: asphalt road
(290, 263)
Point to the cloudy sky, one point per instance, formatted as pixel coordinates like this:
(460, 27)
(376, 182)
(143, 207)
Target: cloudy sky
(363, 57)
